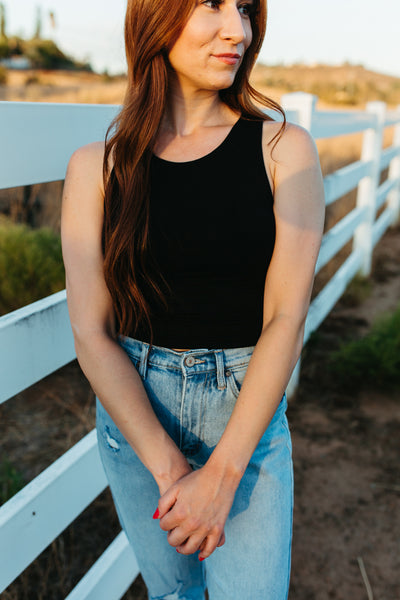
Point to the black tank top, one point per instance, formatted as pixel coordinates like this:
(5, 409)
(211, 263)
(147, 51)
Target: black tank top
(212, 234)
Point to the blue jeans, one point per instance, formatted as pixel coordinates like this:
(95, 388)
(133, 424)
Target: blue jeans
(193, 394)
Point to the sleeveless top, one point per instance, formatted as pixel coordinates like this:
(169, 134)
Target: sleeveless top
(212, 234)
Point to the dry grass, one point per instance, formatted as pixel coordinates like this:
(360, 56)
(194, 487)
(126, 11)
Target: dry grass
(63, 86)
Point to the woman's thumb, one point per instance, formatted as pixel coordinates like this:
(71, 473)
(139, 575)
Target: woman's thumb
(166, 502)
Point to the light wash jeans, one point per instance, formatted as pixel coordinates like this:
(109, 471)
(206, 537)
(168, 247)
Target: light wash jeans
(193, 394)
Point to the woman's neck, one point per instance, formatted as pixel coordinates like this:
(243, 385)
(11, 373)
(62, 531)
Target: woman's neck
(188, 112)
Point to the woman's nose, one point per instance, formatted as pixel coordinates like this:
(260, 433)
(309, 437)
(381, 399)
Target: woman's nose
(232, 27)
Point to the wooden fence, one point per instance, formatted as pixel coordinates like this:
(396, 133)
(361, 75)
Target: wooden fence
(37, 141)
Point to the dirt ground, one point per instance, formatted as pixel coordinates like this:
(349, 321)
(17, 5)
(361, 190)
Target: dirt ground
(346, 463)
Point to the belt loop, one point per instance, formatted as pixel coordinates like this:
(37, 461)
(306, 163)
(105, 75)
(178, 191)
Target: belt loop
(219, 358)
(143, 360)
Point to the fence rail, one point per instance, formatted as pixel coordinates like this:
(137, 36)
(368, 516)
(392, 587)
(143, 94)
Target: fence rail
(40, 139)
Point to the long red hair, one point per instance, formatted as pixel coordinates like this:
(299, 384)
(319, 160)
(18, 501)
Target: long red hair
(151, 27)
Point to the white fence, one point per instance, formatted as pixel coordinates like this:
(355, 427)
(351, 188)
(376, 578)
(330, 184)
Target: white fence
(37, 141)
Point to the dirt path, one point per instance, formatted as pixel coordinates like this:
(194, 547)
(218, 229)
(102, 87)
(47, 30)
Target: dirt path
(346, 462)
(346, 465)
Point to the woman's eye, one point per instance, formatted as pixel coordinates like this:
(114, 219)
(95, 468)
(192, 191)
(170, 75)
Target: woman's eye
(246, 9)
(212, 3)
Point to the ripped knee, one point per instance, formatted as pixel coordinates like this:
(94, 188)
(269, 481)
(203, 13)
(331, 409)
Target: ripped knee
(111, 442)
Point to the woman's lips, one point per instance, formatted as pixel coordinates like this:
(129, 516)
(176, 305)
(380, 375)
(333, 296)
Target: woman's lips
(228, 59)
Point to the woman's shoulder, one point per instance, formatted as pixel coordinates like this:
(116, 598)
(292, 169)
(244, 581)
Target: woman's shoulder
(83, 186)
(292, 137)
(290, 148)
(86, 163)
(93, 149)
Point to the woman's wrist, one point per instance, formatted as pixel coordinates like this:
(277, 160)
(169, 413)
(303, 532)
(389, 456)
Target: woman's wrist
(225, 469)
(170, 468)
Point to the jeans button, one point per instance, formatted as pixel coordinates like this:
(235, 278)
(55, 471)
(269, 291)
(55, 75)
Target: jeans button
(189, 361)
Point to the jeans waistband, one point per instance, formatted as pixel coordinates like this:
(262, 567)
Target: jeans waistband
(188, 362)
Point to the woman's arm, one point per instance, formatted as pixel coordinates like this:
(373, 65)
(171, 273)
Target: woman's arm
(111, 374)
(299, 212)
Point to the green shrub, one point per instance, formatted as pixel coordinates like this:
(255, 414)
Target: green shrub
(3, 75)
(44, 54)
(374, 360)
(106, 77)
(4, 48)
(31, 265)
(13, 46)
(32, 80)
(357, 291)
(11, 481)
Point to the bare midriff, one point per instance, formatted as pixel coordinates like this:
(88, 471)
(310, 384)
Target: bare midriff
(180, 349)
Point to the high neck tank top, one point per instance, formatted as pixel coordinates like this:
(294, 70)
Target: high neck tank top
(212, 234)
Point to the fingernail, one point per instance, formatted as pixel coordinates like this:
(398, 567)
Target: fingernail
(156, 514)
(177, 550)
(201, 558)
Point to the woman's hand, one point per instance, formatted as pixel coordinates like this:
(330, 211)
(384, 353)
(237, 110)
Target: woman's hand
(194, 510)
(179, 467)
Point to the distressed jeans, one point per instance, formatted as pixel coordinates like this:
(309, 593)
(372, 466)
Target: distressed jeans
(193, 394)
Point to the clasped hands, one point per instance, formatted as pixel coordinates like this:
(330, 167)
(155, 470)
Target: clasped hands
(193, 511)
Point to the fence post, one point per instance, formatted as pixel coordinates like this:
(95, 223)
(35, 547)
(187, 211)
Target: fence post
(367, 188)
(393, 199)
(303, 105)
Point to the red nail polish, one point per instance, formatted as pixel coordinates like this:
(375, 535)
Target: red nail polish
(201, 558)
(177, 550)
(156, 514)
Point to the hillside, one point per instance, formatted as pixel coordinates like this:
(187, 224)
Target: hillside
(345, 85)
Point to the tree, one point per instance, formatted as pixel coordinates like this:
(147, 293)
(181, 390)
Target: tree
(45, 54)
(3, 34)
(52, 19)
(38, 27)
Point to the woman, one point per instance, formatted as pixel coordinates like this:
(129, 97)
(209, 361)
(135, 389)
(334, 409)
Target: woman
(190, 241)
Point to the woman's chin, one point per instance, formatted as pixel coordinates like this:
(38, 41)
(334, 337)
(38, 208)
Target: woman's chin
(222, 83)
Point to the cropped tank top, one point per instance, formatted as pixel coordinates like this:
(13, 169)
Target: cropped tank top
(212, 234)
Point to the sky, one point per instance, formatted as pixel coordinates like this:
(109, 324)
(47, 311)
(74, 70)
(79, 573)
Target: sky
(309, 31)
